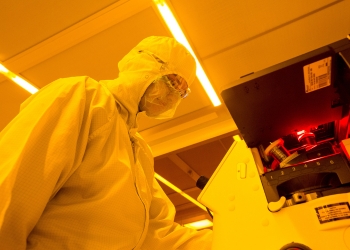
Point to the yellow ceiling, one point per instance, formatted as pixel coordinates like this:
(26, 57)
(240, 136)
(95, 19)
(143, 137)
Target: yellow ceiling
(45, 40)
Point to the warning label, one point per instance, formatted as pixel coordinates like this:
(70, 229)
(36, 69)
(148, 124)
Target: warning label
(333, 212)
(317, 75)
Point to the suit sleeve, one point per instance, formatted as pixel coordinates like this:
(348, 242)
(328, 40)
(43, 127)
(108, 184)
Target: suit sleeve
(39, 149)
(164, 233)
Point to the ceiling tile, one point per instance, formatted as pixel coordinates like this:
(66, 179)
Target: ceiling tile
(205, 158)
(227, 142)
(99, 55)
(36, 20)
(230, 23)
(168, 170)
(11, 96)
(278, 45)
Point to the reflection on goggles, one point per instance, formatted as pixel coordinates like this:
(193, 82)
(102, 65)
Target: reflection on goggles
(175, 83)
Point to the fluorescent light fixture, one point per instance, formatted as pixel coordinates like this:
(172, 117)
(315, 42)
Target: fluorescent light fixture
(3, 70)
(20, 81)
(175, 29)
(178, 190)
(199, 224)
(24, 84)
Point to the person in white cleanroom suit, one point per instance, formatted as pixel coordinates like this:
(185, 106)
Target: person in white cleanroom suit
(74, 172)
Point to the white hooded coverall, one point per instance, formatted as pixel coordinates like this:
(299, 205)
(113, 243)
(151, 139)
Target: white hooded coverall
(75, 174)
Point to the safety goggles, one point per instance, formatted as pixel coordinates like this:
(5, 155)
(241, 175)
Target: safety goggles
(178, 84)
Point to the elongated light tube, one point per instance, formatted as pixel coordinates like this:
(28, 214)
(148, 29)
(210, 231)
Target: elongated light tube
(199, 224)
(20, 81)
(178, 190)
(175, 29)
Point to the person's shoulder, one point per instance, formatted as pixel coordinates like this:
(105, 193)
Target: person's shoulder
(87, 88)
(67, 83)
(77, 81)
(76, 84)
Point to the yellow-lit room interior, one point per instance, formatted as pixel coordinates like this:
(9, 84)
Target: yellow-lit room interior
(41, 41)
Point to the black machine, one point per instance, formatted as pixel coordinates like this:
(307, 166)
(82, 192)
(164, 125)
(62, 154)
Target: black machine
(297, 114)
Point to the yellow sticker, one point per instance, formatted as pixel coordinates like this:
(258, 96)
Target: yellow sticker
(317, 75)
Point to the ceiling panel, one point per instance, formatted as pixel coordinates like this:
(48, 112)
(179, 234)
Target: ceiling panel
(280, 44)
(230, 23)
(99, 55)
(34, 21)
(204, 159)
(227, 142)
(169, 170)
(11, 96)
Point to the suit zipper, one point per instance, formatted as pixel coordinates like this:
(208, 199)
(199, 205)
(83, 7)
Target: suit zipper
(137, 191)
